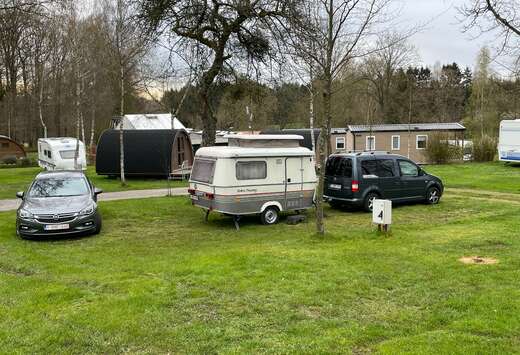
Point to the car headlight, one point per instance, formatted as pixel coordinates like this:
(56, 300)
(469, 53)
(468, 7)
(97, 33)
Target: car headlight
(88, 211)
(25, 214)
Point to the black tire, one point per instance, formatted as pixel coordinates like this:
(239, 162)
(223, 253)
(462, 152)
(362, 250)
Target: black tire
(433, 195)
(335, 204)
(369, 201)
(270, 216)
(99, 224)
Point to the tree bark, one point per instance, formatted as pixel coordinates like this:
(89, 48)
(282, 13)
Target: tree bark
(121, 127)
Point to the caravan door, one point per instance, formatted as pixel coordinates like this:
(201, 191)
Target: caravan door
(293, 183)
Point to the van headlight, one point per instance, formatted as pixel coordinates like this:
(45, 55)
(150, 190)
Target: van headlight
(88, 211)
(25, 214)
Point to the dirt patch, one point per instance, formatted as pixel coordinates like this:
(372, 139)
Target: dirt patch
(479, 260)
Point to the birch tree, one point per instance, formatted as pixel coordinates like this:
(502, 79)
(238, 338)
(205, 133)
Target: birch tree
(330, 35)
(130, 45)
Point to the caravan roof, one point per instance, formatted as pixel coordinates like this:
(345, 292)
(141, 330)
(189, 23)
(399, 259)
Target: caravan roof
(58, 141)
(240, 152)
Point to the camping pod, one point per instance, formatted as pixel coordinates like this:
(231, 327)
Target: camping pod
(157, 152)
(9, 148)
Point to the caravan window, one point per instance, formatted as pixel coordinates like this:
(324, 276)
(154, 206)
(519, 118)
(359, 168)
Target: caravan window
(203, 170)
(67, 154)
(251, 170)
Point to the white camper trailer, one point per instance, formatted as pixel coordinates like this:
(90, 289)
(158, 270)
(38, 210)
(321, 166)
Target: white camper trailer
(58, 154)
(509, 142)
(255, 174)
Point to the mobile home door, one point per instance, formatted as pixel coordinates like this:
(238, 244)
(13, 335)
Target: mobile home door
(293, 183)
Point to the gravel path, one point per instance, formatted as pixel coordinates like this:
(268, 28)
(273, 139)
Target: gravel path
(9, 205)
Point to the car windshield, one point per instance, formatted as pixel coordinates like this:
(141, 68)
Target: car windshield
(59, 187)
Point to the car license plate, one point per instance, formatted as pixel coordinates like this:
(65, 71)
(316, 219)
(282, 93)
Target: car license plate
(194, 197)
(335, 186)
(56, 227)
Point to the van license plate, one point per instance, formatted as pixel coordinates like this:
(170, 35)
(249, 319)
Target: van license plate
(56, 227)
(194, 197)
(335, 186)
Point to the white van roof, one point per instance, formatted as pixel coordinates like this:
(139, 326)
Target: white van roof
(241, 152)
(264, 140)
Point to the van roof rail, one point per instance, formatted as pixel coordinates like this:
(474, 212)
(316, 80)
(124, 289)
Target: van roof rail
(373, 152)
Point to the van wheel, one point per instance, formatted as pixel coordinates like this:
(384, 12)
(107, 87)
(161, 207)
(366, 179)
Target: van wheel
(270, 216)
(433, 196)
(368, 204)
(335, 205)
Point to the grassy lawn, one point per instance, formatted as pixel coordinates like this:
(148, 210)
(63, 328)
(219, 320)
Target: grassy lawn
(497, 176)
(18, 179)
(159, 280)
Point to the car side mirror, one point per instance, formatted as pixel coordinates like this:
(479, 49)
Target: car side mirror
(422, 172)
(20, 194)
(97, 191)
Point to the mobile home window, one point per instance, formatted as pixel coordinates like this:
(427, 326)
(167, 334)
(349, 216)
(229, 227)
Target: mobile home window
(422, 142)
(67, 154)
(203, 170)
(371, 143)
(396, 142)
(340, 143)
(251, 170)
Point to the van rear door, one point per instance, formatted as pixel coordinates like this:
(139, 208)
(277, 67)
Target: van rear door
(338, 177)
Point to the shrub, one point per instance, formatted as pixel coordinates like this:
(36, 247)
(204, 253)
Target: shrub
(439, 151)
(11, 159)
(484, 148)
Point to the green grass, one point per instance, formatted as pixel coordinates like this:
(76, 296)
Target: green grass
(497, 176)
(160, 280)
(18, 179)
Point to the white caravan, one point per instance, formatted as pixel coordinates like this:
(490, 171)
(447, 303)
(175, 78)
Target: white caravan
(255, 174)
(58, 154)
(509, 141)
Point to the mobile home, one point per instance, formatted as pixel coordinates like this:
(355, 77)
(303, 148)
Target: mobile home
(509, 141)
(255, 174)
(59, 153)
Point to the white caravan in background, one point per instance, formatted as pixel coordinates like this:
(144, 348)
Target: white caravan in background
(509, 141)
(255, 174)
(58, 154)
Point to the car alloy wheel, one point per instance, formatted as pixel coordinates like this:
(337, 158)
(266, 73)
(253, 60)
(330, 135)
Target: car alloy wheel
(433, 196)
(369, 201)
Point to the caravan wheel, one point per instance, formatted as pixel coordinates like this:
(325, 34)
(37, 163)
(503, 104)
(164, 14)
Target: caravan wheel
(270, 215)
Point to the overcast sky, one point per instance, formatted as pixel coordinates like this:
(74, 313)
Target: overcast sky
(442, 39)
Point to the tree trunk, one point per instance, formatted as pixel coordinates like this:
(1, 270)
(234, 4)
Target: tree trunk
(209, 121)
(40, 102)
(121, 127)
(78, 118)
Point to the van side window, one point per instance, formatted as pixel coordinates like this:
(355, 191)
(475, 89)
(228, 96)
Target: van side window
(369, 168)
(385, 168)
(408, 168)
(251, 170)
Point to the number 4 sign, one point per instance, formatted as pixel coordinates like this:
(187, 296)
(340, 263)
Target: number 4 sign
(382, 213)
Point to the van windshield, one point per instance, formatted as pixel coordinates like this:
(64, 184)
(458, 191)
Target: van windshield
(203, 170)
(339, 166)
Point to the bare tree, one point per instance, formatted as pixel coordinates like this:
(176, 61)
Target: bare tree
(129, 45)
(382, 66)
(496, 16)
(226, 29)
(330, 35)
